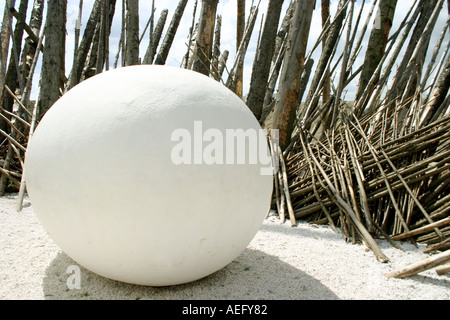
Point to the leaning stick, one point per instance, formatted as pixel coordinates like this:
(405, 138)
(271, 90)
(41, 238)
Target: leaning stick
(362, 34)
(422, 209)
(191, 33)
(362, 230)
(286, 189)
(12, 140)
(316, 194)
(359, 179)
(276, 181)
(30, 134)
(11, 124)
(17, 100)
(420, 266)
(282, 212)
(422, 230)
(384, 176)
(438, 246)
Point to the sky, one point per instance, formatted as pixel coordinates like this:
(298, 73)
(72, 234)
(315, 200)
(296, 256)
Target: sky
(227, 9)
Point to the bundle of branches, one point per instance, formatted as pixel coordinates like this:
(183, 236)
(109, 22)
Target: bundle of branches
(377, 167)
(397, 189)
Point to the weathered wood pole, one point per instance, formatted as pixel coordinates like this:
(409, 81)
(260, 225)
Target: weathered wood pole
(377, 43)
(286, 103)
(439, 93)
(53, 57)
(170, 34)
(216, 49)
(12, 77)
(155, 38)
(5, 35)
(240, 29)
(132, 33)
(205, 38)
(261, 66)
(85, 45)
(326, 93)
(327, 53)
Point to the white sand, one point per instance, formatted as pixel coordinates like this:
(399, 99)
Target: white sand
(300, 263)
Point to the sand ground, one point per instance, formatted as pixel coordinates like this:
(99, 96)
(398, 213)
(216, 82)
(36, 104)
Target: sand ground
(281, 263)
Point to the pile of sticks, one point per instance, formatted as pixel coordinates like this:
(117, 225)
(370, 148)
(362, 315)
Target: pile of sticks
(368, 181)
(377, 167)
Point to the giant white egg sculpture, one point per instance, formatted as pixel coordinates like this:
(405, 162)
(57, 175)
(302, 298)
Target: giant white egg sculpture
(138, 175)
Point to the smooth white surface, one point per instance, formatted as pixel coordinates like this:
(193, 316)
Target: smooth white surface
(103, 185)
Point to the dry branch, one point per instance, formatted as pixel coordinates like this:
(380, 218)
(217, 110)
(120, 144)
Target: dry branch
(286, 189)
(420, 266)
(170, 34)
(155, 39)
(261, 65)
(205, 37)
(424, 229)
(287, 102)
(235, 73)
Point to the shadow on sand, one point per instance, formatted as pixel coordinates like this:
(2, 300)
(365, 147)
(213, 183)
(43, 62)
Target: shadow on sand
(253, 275)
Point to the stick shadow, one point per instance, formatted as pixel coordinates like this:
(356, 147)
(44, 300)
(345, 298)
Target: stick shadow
(254, 275)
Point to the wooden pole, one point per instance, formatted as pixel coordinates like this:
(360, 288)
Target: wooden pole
(286, 189)
(205, 37)
(73, 75)
(216, 49)
(156, 37)
(233, 79)
(420, 266)
(132, 33)
(85, 44)
(286, 104)
(240, 30)
(191, 34)
(262, 63)
(326, 93)
(422, 230)
(170, 34)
